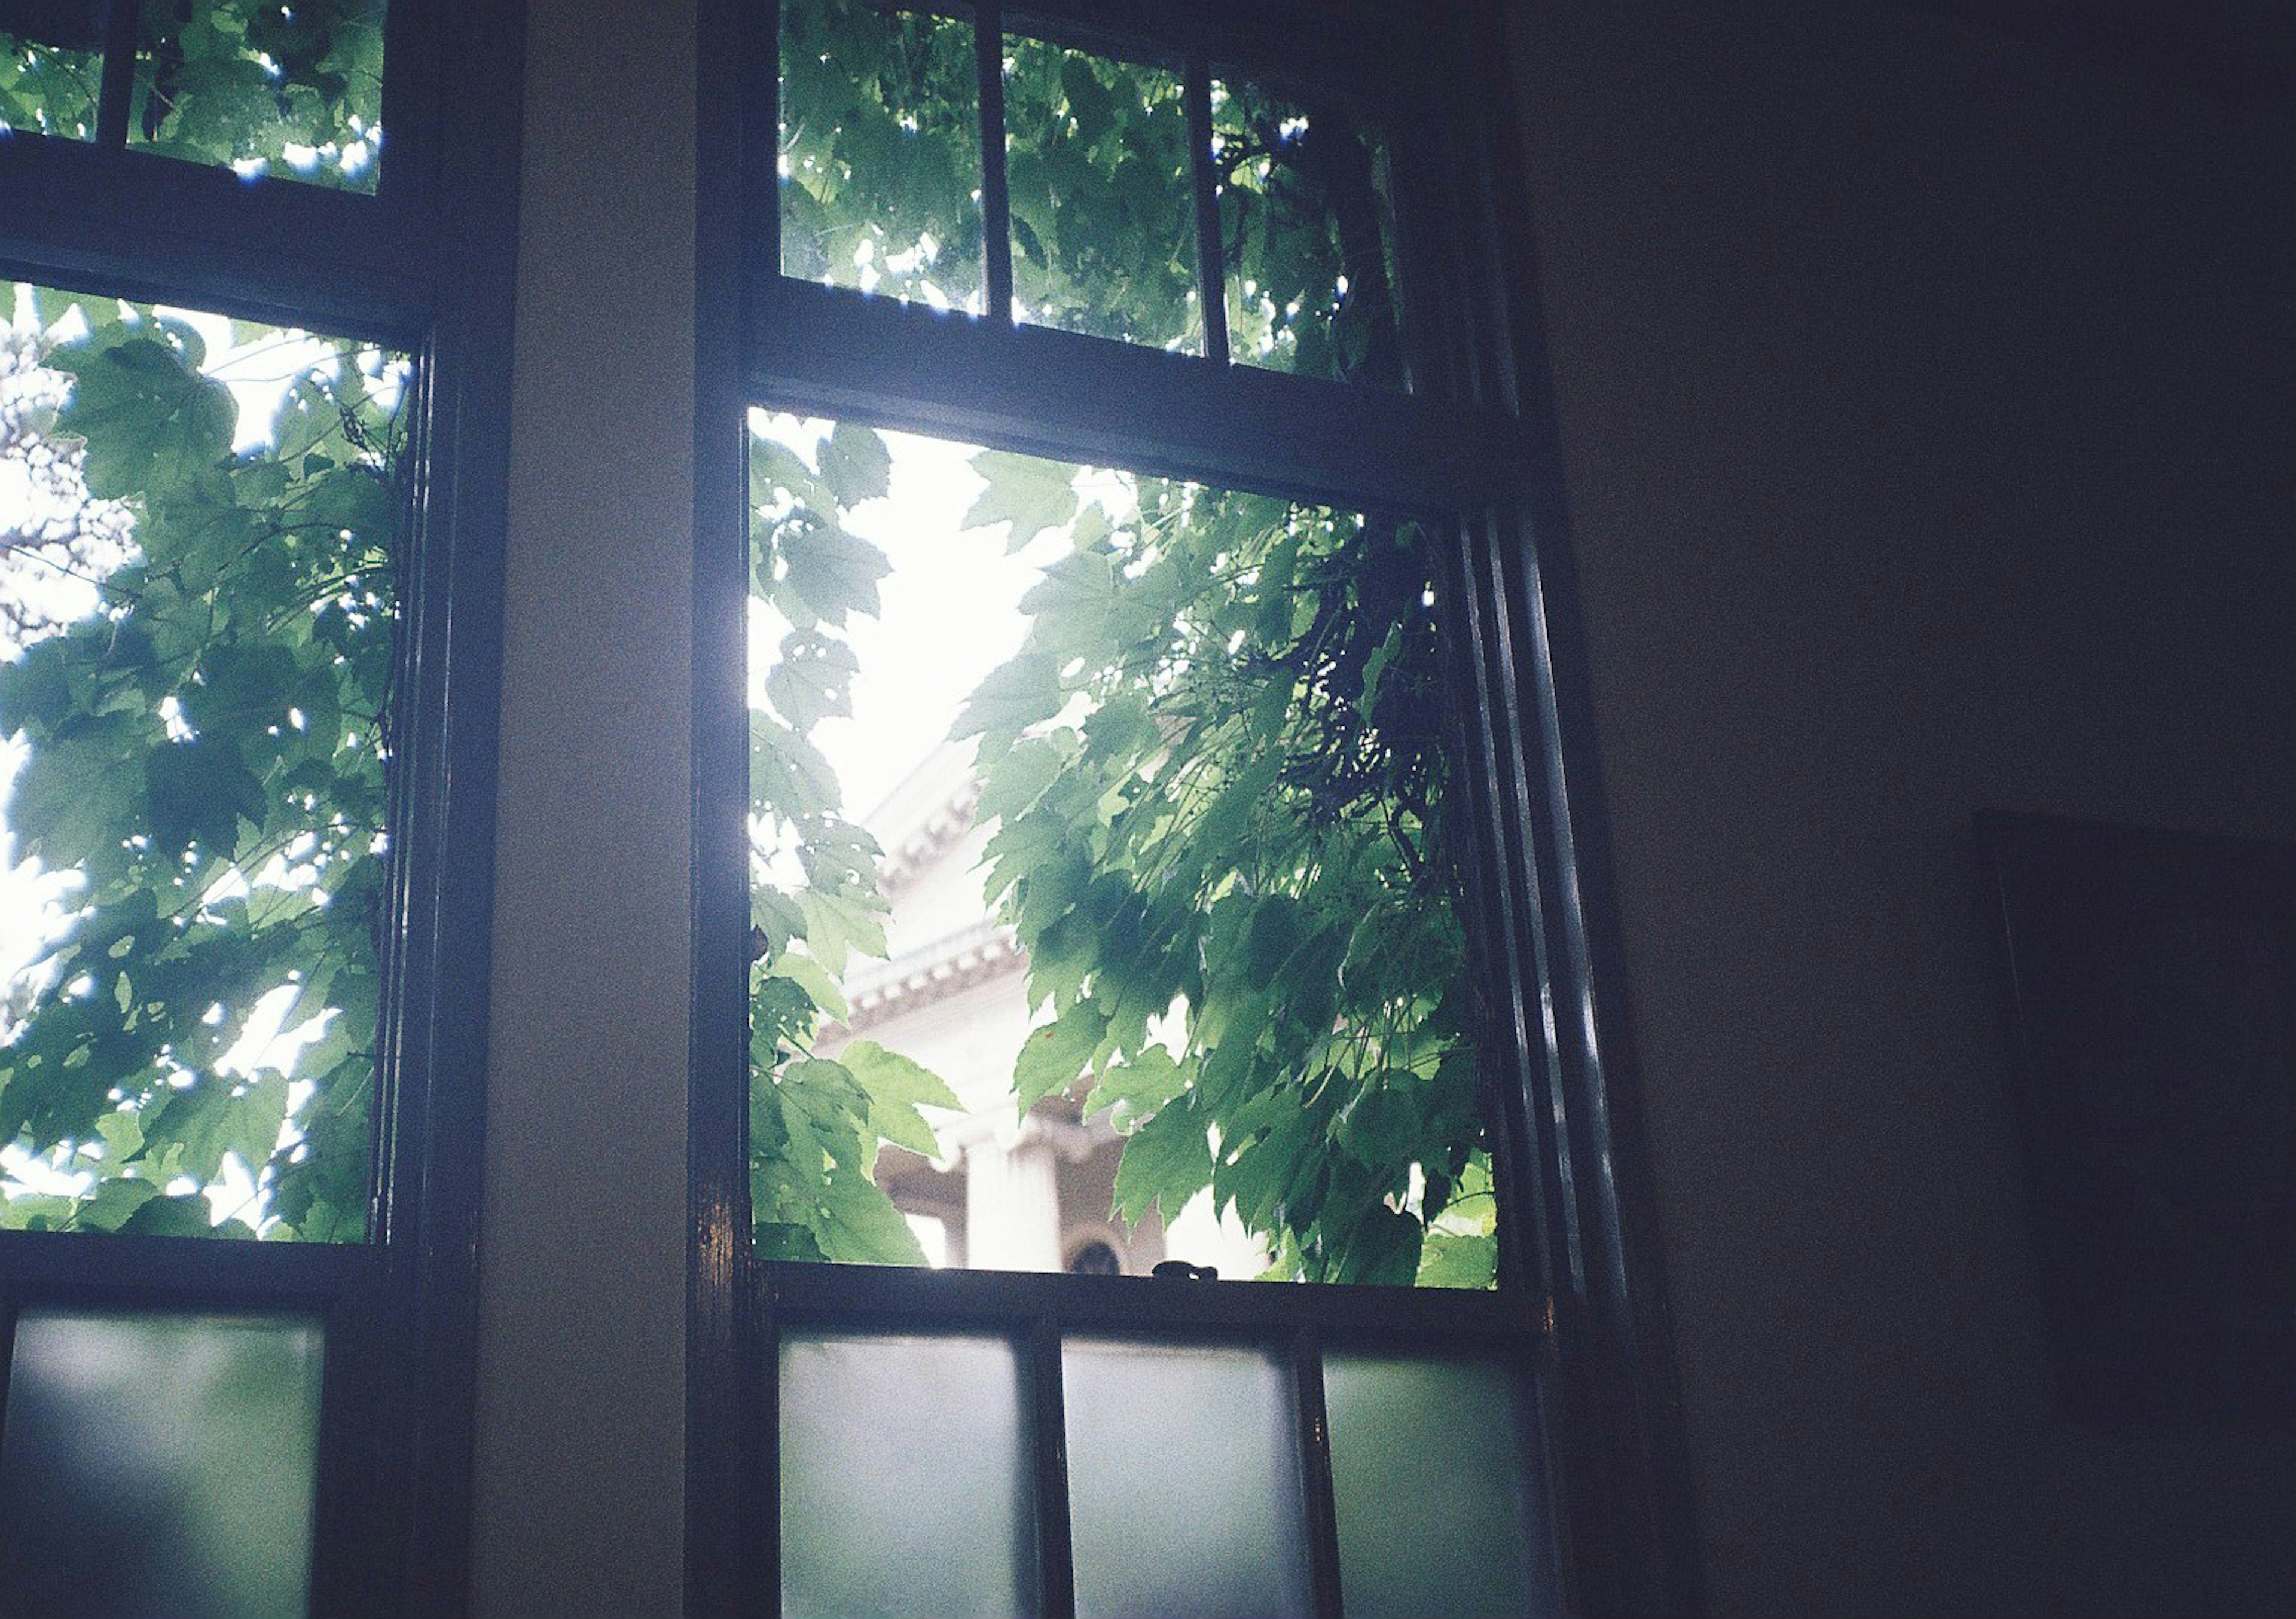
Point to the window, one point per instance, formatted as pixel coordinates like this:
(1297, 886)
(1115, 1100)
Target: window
(1200, 302)
(245, 835)
(260, 89)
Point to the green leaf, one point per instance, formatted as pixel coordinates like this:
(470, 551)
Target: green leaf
(1140, 1086)
(898, 1086)
(1384, 1251)
(113, 1203)
(835, 926)
(210, 1121)
(72, 802)
(1166, 1162)
(1380, 1128)
(1053, 1056)
(180, 1216)
(808, 976)
(1021, 693)
(775, 470)
(812, 680)
(1031, 494)
(834, 573)
(153, 425)
(1019, 780)
(855, 465)
(859, 1224)
(36, 688)
(788, 777)
(197, 793)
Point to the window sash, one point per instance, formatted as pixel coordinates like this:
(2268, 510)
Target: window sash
(1453, 442)
(423, 266)
(1614, 1452)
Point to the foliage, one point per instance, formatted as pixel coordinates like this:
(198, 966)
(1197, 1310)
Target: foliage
(880, 158)
(296, 89)
(49, 88)
(815, 1124)
(1096, 165)
(1215, 774)
(880, 138)
(206, 753)
(1306, 246)
(1213, 768)
(256, 84)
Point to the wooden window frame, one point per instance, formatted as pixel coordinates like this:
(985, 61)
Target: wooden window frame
(422, 266)
(1473, 440)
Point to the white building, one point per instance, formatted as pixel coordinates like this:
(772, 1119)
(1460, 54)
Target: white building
(1008, 1193)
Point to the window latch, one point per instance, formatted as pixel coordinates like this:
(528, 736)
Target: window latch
(1180, 1269)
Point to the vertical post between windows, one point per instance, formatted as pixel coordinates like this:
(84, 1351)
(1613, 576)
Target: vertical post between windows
(760, 30)
(1048, 1436)
(118, 88)
(1209, 292)
(996, 203)
(1316, 1472)
(1521, 1044)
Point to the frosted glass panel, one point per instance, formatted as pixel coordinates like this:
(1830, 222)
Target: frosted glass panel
(160, 1463)
(904, 1486)
(1184, 1483)
(1437, 1513)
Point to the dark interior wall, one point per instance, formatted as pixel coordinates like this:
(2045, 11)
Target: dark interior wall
(1928, 406)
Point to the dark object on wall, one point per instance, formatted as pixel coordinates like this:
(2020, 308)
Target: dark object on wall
(2153, 985)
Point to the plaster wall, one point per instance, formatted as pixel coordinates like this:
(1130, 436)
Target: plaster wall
(1928, 409)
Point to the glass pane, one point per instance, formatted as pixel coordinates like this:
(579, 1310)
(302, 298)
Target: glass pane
(905, 1481)
(880, 152)
(1103, 228)
(197, 587)
(1307, 233)
(1184, 1500)
(52, 66)
(1438, 1510)
(160, 1463)
(263, 87)
(1100, 911)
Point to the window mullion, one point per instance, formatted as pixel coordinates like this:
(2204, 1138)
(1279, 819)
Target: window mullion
(1210, 290)
(1316, 1471)
(117, 92)
(1055, 1556)
(996, 203)
(761, 141)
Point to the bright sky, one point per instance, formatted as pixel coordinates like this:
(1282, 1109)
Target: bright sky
(951, 609)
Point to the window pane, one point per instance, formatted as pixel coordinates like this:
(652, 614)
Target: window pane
(1184, 1500)
(263, 87)
(197, 592)
(1099, 910)
(1438, 1512)
(1308, 237)
(880, 152)
(160, 1463)
(905, 1482)
(1103, 230)
(52, 66)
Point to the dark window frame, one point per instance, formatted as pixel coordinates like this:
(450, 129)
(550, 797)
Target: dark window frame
(1475, 442)
(424, 266)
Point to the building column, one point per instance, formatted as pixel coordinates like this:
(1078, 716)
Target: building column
(1011, 1205)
